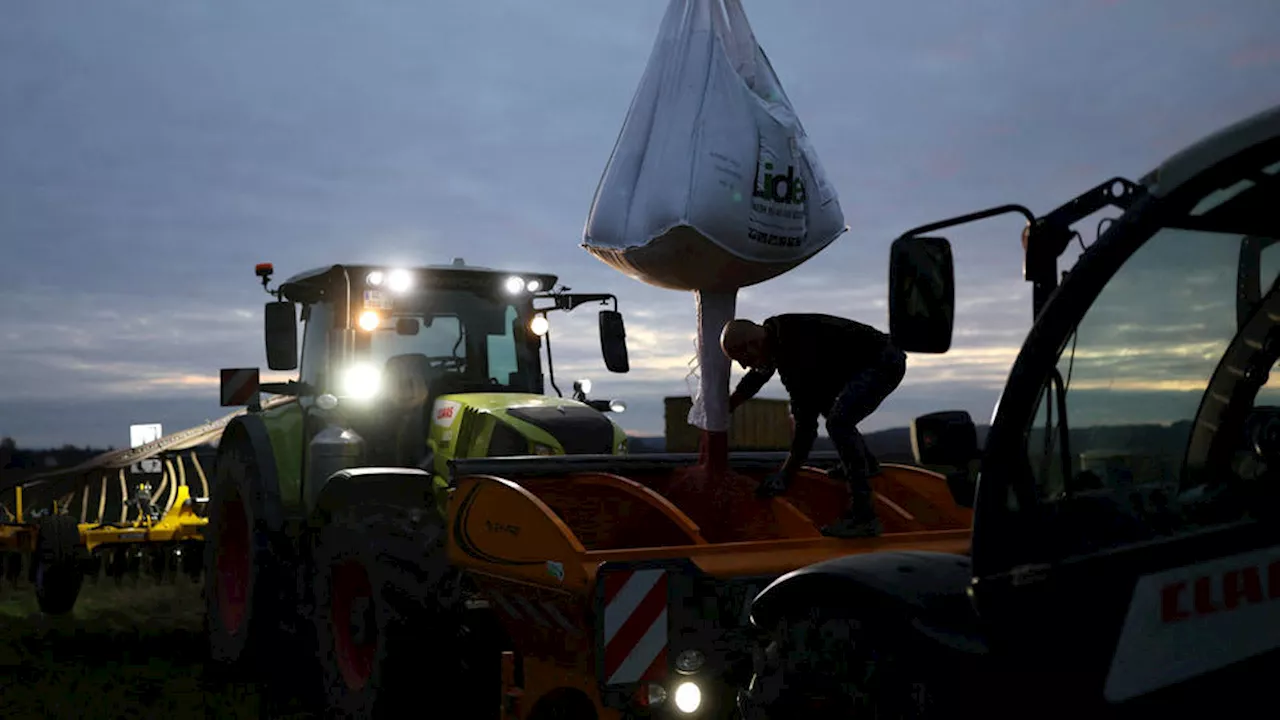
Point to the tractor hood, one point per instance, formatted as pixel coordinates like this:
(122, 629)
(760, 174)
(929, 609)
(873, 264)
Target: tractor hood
(544, 425)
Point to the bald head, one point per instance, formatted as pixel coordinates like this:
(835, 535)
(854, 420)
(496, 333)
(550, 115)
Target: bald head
(745, 343)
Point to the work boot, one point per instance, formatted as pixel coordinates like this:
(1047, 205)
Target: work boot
(858, 521)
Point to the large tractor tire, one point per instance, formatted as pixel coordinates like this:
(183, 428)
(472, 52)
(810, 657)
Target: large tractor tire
(389, 614)
(56, 567)
(248, 578)
(830, 664)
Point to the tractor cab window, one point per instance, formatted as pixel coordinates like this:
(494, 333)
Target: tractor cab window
(501, 348)
(443, 341)
(317, 322)
(1136, 369)
(460, 340)
(1153, 423)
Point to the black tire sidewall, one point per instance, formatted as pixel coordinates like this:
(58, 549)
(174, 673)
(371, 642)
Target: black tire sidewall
(805, 665)
(56, 568)
(412, 643)
(235, 479)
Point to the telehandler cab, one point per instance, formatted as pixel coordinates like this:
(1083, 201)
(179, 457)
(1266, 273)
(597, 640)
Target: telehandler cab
(404, 369)
(1126, 551)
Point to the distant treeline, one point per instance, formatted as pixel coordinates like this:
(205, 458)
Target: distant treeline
(892, 445)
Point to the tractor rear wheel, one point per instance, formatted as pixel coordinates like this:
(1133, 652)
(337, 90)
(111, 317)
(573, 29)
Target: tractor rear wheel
(388, 611)
(247, 579)
(57, 570)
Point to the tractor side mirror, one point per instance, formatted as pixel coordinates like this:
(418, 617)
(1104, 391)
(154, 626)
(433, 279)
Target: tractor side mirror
(948, 443)
(922, 294)
(613, 341)
(282, 335)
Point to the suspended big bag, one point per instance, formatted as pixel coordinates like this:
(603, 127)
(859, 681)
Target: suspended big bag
(712, 184)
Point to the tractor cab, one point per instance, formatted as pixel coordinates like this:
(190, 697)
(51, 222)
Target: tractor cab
(411, 367)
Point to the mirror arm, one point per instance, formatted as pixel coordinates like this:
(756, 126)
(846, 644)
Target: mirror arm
(551, 367)
(569, 301)
(292, 388)
(971, 217)
(346, 304)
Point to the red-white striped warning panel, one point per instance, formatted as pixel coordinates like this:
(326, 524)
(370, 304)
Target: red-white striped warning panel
(542, 613)
(238, 386)
(635, 628)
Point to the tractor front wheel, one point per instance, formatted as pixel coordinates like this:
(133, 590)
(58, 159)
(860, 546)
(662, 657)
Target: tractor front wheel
(246, 577)
(830, 665)
(387, 610)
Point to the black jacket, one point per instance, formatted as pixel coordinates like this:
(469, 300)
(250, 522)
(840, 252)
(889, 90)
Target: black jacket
(815, 357)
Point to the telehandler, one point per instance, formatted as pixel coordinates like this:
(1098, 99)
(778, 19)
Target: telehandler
(1126, 549)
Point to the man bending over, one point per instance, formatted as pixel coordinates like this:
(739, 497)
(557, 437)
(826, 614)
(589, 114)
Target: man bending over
(830, 366)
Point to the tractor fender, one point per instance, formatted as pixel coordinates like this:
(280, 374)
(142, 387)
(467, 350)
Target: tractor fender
(247, 435)
(395, 486)
(923, 590)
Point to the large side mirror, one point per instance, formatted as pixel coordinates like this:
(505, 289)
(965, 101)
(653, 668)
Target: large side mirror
(613, 341)
(282, 335)
(922, 294)
(948, 442)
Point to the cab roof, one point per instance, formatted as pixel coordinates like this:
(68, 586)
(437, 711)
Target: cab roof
(321, 277)
(1213, 149)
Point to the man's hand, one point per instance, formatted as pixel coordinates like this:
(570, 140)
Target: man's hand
(776, 483)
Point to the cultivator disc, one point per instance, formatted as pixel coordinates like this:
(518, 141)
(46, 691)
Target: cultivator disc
(157, 563)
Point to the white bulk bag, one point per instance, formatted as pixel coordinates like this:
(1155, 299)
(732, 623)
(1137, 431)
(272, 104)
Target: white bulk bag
(712, 184)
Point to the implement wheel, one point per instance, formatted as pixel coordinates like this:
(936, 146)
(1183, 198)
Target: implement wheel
(247, 580)
(388, 613)
(56, 566)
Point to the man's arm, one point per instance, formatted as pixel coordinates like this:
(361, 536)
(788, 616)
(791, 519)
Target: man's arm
(806, 432)
(748, 386)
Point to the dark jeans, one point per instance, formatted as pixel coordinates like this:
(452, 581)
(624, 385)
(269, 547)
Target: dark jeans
(860, 397)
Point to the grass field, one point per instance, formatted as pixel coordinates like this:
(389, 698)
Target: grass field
(125, 652)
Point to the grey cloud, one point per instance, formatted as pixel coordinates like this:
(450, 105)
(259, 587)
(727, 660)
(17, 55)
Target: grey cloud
(152, 153)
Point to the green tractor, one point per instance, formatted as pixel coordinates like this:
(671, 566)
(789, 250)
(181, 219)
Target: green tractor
(402, 371)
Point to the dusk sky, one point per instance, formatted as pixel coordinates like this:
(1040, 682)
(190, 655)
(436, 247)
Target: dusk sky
(152, 152)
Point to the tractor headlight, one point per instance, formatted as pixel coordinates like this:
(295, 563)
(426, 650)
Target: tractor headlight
(515, 285)
(361, 381)
(399, 280)
(368, 321)
(617, 406)
(539, 325)
(688, 697)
